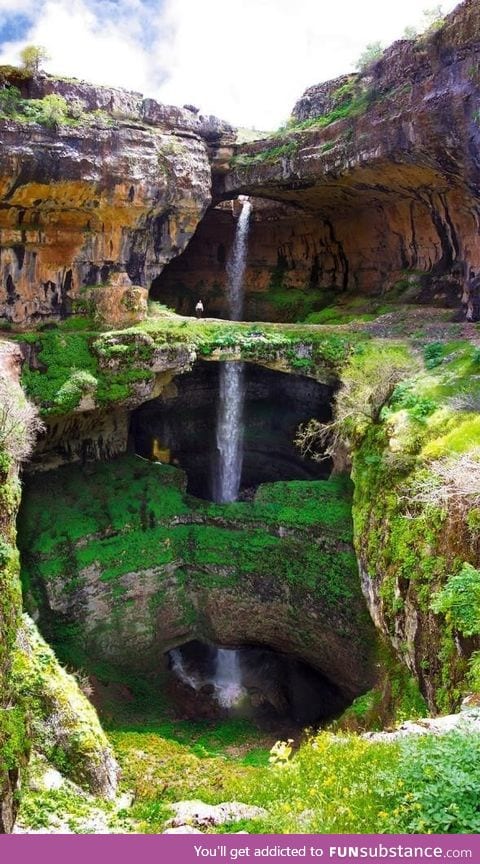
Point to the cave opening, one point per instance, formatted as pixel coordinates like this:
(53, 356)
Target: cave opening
(179, 427)
(275, 690)
(289, 272)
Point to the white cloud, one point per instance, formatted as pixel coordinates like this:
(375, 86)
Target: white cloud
(250, 60)
(247, 61)
(81, 46)
(19, 6)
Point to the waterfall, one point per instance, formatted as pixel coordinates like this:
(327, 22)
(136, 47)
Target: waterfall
(231, 392)
(228, 678)
(179, 670)
(230, 432)
(237, 262)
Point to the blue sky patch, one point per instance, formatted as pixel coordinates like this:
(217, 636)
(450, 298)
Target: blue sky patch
(14, 26)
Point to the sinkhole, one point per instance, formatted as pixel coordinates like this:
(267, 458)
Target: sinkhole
(212, 681)
(179, 427)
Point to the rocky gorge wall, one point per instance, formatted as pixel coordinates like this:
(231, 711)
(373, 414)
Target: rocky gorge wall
(381, 174)
(108, 198)
(373, 189)
(128, 568)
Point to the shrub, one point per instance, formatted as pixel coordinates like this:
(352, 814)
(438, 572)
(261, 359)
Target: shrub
(459, 600)
(9, 100)
(433, 354)
(440, 777)
(54, 111)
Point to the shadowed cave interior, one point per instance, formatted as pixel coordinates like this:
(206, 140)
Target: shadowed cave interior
(179, 427)
(250, 681)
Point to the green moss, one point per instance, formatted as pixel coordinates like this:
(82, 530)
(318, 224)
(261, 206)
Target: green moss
(107, 366)
(14, 739)
(127, 511)
(69, 369)
(271, 154)
(14, 742)
(64, 725)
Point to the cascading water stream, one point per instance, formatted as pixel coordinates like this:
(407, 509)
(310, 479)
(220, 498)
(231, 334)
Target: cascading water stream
(178, 668)
(228, 678)
(229, 433)
(237, 262)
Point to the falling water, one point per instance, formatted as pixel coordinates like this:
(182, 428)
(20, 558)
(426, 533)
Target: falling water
(228, 678)
(232, 389)
(230, 432)
(179, 670)
(237, 262)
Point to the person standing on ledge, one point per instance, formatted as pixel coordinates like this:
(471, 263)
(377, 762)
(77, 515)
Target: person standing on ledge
(199, 309)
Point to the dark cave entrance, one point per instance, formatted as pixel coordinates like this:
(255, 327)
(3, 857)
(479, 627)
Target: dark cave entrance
(273, 689)
(180, 427)
(283, 281)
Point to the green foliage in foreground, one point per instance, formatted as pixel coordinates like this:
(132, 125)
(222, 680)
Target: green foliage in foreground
(330, 785)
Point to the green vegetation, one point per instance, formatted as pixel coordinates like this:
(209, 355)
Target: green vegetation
(75, 362)
(459, 601)
(414, 472)
(373, 51)
(71, 363)
(330, 785)
(350, 101)
(63, 724)
(52, 110)
(131, 511)
(269, 155)
(32, 56)
(14, 740)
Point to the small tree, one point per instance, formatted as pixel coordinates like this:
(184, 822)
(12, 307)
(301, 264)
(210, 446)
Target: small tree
(373, 51)
(410, 32)
(432, 18)
(19, 421)
(368, 382)
(32, 56)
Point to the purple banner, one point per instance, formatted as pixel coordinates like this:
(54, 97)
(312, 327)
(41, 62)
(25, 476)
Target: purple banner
(158, 849)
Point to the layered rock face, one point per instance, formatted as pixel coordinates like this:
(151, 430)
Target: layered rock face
(296, 264)
(113, 197)
(383, 172)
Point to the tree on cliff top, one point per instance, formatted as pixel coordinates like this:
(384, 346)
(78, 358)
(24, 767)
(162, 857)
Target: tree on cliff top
(373, 51)
(32, 56)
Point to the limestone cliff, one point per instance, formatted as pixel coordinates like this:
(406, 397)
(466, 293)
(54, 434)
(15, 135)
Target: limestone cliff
(372, 188)
(112, 195)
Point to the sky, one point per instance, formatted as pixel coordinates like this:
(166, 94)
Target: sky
(247, 61)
